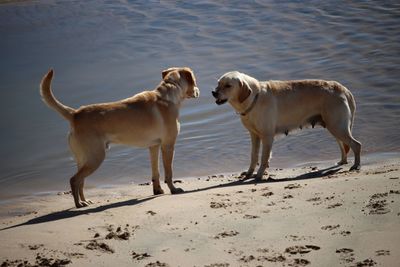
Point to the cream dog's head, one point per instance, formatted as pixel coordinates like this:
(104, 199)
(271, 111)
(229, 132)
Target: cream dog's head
(183, 77)
(233, 87)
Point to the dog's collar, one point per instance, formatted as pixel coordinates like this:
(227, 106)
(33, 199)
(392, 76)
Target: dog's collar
(244, 113)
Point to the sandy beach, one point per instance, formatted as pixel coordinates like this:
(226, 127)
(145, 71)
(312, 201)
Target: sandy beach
(312, 215)
(307, 214)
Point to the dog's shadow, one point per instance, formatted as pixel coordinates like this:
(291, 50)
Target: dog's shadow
(310, 175)
(70, 213)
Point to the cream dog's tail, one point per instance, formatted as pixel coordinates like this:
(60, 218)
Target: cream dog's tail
(51, 101)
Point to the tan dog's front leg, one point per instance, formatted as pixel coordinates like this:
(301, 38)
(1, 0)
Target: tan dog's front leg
(255, 151)
(266, 152)
(155, 174)
(168, 156)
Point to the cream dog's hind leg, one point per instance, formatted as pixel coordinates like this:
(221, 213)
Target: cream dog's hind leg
(343, 153)
(338, 124)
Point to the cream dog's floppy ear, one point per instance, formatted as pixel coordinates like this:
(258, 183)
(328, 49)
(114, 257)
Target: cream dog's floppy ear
(244, 91)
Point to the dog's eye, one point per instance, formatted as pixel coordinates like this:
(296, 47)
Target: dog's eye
(228, 86)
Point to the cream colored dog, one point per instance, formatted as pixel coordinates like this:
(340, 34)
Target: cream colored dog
(148, 119)
(274, 107)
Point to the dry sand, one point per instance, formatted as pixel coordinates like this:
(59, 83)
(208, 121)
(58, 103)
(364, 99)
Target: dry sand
(313, 215)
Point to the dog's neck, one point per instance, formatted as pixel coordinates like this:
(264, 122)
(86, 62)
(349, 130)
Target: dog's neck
(247, 105)
(170, 91)
(250, 106)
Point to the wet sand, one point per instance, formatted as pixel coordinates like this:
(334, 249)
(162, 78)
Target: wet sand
(313, 215)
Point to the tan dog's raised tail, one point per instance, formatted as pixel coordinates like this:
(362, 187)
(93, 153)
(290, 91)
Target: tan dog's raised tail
(274, 107)
(148, 119)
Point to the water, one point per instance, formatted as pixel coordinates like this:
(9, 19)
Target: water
(107, 50)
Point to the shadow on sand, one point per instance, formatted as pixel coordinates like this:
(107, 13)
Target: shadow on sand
(310, 175)
(70, 213)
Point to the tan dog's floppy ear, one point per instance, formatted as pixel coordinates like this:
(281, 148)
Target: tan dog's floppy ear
(244, 91)
(165, 72)
(187, 73)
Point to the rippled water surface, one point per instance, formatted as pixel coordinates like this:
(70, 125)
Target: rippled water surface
(108, 50)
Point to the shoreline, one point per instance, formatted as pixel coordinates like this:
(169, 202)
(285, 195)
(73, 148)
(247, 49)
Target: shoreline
(366, 159)
(313, 215)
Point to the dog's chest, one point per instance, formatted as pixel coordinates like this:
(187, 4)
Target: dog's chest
(250, 125)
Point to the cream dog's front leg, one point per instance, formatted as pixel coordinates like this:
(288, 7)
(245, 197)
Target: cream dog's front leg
(266, 152)
(255, 151)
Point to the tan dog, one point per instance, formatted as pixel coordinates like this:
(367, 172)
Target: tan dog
(275, 107)
(148, 119)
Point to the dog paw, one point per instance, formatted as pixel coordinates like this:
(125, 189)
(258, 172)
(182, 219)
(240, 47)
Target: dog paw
(177, 190)
(355, 167)
(81, 204)
(88, 201)
(342, 162)
(158, 191)
(246, 175)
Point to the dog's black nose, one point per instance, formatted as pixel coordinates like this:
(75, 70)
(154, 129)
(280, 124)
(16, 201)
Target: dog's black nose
(215, 94)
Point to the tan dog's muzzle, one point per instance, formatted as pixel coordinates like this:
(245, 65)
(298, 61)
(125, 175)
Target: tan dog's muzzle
(196, 93)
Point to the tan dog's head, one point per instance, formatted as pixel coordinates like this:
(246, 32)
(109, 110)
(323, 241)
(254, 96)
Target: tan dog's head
(183, 77)
(232, 87)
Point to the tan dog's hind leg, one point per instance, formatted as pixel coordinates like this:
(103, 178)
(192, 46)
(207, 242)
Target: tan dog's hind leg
(168, 156)
(155, 174)
(266, 153)
(89, 157)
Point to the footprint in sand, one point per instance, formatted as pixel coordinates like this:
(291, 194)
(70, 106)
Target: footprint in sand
(292, 186)
(299, 262)
(157, 264)
(247, 216)
(226, 234)
(119, 233)
(94, 245)
(366, 262)
(267, 194)
(382, 252)
(377, 205)
(301, 249)
(152, 213)
(35, 247)
(334, 205)
(346, 255)
(139, 256)
(299, 238)
(218, 205)
(330, 227)
(40, 260)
